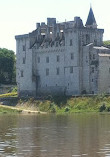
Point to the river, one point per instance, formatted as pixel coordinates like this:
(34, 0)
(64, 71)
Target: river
(77, 135)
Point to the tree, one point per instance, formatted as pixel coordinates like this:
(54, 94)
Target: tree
(106, 43)
(7, 66)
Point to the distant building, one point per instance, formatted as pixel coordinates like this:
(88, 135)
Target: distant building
(63, 58)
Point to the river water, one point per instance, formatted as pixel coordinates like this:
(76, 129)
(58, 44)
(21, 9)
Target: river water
(77, 135)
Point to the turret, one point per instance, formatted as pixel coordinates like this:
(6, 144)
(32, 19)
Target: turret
(91, 22)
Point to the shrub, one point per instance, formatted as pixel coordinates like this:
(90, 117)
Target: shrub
(67, 109)
(14, 89)
(52, 108)
(102, 107)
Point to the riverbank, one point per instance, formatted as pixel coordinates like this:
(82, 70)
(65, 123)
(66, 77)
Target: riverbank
(100, 103)
(58, 104)
(6, 109)
(15, 110)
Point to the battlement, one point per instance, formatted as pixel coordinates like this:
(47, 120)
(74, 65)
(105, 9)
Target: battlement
(52, 31)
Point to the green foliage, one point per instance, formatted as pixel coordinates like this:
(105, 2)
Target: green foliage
(31, 100)
(97, 103)
(4, 109)
(13, 94)
(59, 100)
(61, 105)
(102, 107)
(65, 104)
(44, 106)
(106, 43)
(67, 109)
(14, 89)
(52, 108)
(7, 66)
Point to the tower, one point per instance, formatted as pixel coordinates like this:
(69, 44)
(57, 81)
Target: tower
(91, 22)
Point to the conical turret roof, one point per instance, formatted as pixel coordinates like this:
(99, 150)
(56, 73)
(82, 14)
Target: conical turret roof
(91, 19)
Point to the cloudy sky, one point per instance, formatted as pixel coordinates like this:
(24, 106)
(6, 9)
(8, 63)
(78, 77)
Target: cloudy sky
(20, 16)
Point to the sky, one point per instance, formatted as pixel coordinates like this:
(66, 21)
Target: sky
(20, 16)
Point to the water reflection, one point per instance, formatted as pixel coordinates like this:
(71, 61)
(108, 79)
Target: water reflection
(7, 135)
(55, 136)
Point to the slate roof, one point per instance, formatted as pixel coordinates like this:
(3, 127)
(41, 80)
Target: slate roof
(91, 19)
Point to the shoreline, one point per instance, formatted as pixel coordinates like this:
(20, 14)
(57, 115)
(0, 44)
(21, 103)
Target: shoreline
(57, 104)
(10, 109)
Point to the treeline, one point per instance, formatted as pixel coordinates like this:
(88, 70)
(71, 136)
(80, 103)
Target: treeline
(7, 66)
(106, 43)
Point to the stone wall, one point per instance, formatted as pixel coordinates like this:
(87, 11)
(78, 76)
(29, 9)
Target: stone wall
(104, 73)
(24, 66)
(55, 58)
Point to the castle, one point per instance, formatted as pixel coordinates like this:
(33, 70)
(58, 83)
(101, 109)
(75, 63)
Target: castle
(63, 59)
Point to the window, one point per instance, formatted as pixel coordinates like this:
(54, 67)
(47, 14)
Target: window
(58, 58)
(72, 56)
(93, 56)
(92, 80)
(57, 44)
(71, 69)
(47, 72)
(43, 36)
(23, 60)
(52, 43)
(58, 71)
(24, 48)
(109, 70)
(71, 42)
(38, 59)
(95, 42)
(22, 73)
(57, 35)
(87, 38)
(92, 69)
(47, 59)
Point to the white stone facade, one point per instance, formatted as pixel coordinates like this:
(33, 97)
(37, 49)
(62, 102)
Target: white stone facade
(60, 58)
(104, 73)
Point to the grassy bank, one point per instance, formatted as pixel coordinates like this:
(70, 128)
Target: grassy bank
(100, 103)
(13, 94)
(6, 109)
